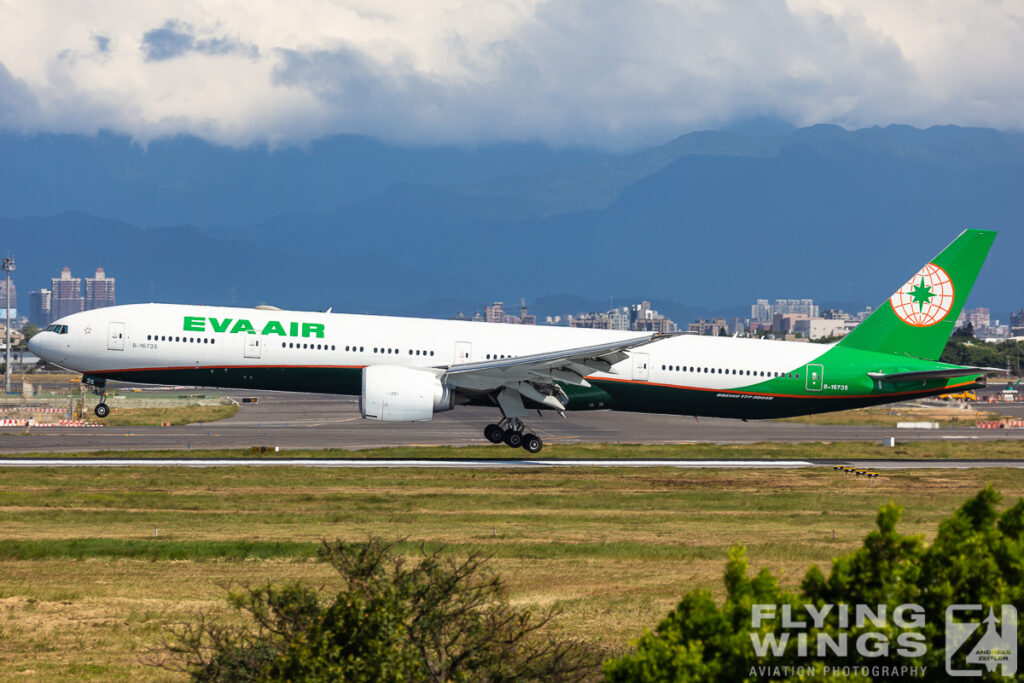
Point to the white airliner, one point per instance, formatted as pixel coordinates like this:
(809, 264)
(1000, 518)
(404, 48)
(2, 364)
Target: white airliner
(407, 369)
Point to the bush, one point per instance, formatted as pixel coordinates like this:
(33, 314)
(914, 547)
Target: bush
(976, 558)
(435, 619)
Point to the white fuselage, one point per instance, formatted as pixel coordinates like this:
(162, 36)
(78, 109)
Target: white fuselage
(177, 337)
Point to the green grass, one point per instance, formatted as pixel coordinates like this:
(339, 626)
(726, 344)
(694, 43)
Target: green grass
(904, 449)
(155, 549)
(85, 587)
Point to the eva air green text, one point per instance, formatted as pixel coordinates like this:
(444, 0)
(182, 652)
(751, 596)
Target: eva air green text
(195, 323)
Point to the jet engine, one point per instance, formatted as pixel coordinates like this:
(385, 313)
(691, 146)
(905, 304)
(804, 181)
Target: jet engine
(397, 394)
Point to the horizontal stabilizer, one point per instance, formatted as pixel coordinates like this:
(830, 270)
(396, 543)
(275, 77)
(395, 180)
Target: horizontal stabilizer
(922, 375)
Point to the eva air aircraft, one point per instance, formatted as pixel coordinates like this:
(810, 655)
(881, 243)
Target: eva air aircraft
(407, 369)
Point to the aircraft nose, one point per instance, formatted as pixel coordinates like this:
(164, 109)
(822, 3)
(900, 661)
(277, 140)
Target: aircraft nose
(38, 344)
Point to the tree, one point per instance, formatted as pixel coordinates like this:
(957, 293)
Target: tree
(435, 619)
(976, 558)
(963, 334)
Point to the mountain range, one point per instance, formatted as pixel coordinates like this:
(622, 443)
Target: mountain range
(706, 222)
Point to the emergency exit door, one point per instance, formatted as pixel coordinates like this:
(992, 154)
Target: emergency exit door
(252, 346)
(640, 363)
(115, 337)
(463, 352)
(815, 377)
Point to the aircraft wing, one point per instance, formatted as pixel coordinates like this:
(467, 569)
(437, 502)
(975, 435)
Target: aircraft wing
(923, 375)
(599, 358)
(535, 376)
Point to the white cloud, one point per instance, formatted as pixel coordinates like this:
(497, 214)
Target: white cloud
(565, 71)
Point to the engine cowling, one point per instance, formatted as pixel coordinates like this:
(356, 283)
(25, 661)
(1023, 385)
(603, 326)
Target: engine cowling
(396, 394)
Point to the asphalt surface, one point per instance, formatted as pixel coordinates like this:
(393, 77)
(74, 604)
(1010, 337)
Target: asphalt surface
(312, 421)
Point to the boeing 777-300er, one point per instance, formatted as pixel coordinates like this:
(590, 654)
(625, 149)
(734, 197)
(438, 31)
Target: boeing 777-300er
(407, 369)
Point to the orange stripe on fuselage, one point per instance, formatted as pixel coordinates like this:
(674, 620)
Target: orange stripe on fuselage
(224, 367)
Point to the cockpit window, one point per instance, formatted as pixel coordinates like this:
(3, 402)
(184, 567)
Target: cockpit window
(59, 329)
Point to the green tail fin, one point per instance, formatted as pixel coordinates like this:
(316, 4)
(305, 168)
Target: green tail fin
(919, 317)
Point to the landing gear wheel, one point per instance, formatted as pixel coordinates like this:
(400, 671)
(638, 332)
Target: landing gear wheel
(532, 443)
(101, 410)
(494, 433)
(513, 438)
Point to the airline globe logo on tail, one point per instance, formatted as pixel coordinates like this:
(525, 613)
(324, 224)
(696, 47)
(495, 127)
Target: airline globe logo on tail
(926, 298)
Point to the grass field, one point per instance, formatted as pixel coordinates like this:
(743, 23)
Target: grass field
(138, 417)
(904, 449)
(86, 586)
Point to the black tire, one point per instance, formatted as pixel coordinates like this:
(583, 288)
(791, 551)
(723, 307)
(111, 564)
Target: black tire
(101, 410)
(513, 439)
(532, 443)
(494, 433)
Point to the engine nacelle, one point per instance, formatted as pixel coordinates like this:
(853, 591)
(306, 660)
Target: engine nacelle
(396, 394)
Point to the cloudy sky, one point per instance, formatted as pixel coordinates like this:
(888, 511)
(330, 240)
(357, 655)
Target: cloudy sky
(592, 72)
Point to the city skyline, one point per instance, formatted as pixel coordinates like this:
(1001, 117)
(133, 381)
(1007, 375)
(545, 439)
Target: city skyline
(799, 317)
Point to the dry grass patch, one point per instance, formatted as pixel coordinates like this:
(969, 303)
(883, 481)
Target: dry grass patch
(951, 415)
(143, 417)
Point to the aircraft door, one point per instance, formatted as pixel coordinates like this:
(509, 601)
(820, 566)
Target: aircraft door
(815, 377)
(463, 352)
(252, 346)
(640, 363)
(115, 337)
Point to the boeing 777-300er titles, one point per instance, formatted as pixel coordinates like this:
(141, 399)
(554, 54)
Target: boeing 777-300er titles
(407, 369)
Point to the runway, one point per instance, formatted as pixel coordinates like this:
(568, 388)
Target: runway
(315, 422)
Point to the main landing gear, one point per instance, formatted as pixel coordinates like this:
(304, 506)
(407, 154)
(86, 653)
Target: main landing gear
(512, 432)
(99, 387)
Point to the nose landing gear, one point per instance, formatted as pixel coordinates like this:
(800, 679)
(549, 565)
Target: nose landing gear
(512, 432)
(99, 387)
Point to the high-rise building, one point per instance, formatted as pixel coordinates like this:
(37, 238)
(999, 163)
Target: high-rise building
(39, 308)
(979, 317)
(495, 313)
(714, 327)
(99, 290)
(761, 311)
(1017, 323)
(524, 317)
(805, 307)
(66, 295)
(643, 318)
